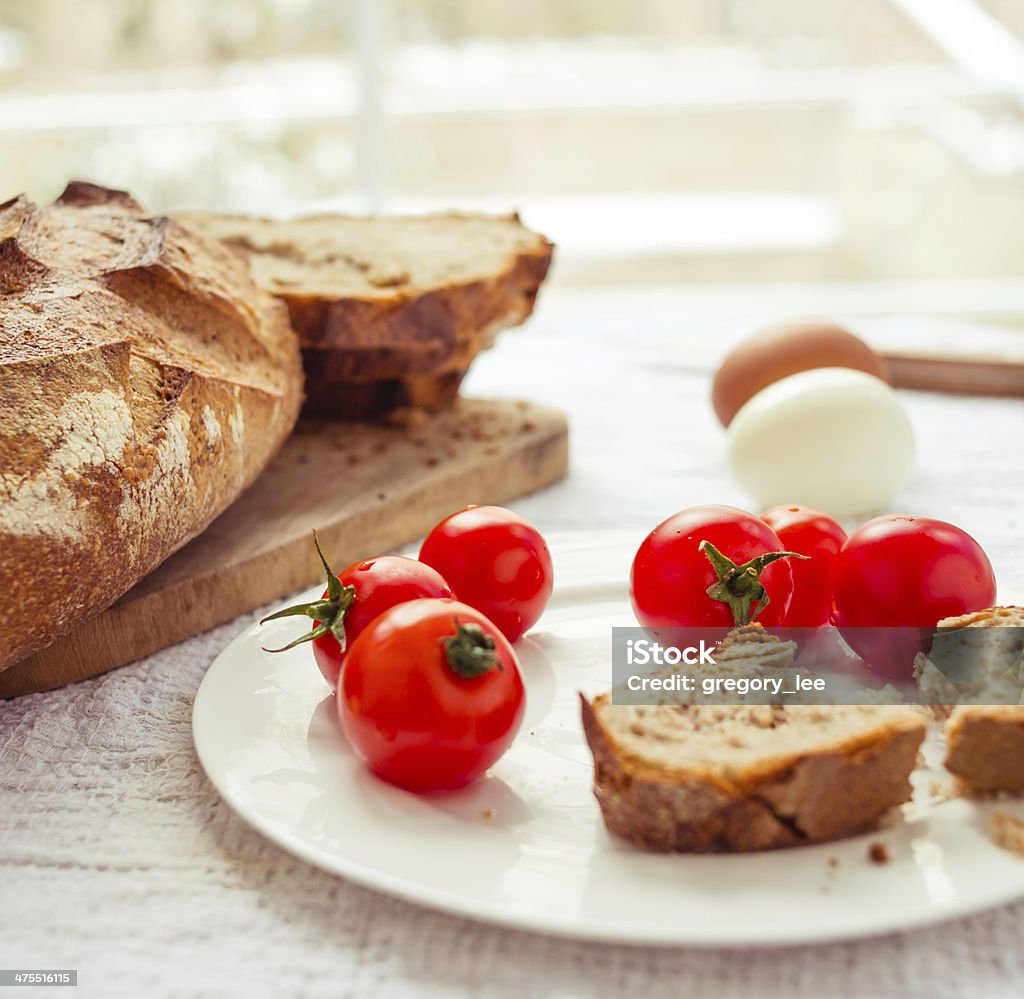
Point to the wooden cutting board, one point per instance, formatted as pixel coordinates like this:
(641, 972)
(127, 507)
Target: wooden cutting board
(366, 489)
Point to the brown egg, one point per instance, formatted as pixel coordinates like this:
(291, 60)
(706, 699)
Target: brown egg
(779, 351)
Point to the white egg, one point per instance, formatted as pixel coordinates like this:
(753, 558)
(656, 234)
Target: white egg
(831, 438)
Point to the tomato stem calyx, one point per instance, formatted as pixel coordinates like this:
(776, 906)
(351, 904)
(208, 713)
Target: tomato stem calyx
(740, 586)
(328, 611)
(470, 652)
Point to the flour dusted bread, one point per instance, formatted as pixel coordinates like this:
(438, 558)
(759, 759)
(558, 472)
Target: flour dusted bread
(145, 381)
(391, 311)
(700, 777)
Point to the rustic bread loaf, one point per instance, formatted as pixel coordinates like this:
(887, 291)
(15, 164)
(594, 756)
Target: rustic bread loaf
(702, 777)
(145, 382)
(390, 311)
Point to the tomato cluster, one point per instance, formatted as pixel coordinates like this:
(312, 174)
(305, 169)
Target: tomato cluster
(429, 689)
(884, 587)
(420, 651)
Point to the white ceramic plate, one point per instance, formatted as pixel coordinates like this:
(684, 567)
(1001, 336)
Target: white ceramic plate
(525, 846)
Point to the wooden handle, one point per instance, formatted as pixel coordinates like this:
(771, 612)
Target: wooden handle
(965, 375)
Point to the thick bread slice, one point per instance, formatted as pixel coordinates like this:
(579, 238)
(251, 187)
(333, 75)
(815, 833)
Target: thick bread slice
(984, 742)
(391, 311)
(334, 396)
(985, 746)
(145, 382)
(702, 777)
(976, 668)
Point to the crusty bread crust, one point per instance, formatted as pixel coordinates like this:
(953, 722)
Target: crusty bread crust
(824, 793)
(145, 382)
(380, 325)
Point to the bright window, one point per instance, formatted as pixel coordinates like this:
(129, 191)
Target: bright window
(658, 141)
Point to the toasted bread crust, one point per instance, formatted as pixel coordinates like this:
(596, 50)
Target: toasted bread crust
(146, 382)
(810, 798)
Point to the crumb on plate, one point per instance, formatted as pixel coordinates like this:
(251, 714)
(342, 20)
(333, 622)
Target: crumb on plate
(878, 852)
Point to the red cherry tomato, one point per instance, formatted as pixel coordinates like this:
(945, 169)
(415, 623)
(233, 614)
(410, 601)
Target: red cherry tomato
(811, 533)
(353, 599)
(431, 695)
(379, 583)
(494, 561)
(671, 575)
(897, 576)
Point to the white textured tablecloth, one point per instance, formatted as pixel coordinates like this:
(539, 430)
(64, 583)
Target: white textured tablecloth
(118, 858)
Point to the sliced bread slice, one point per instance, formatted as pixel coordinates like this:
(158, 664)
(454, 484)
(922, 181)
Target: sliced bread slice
(965, 667)
(390, 311)
(743, 777)
(985, 730)
(985, 746)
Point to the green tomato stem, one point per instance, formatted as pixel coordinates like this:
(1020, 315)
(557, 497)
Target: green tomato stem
(470, 652)
(740, 586)
(329, 611)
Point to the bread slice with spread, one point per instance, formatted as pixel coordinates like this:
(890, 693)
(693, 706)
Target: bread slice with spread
(701, 777)
(977, 683)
